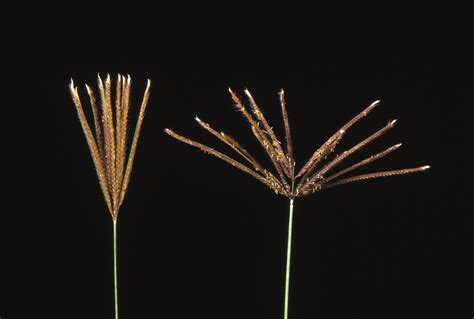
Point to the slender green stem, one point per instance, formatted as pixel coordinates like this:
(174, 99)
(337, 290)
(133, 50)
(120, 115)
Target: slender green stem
(115, 270)
(288, 259)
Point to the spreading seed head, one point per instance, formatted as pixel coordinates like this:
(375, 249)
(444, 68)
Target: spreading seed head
(311, 177)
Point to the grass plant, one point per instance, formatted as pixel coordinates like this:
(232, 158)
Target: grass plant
(108, 144)
(314, 176)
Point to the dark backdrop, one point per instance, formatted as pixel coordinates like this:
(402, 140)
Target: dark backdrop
(198, 238)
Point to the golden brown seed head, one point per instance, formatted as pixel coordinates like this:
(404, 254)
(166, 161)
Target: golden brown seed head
(108, 143)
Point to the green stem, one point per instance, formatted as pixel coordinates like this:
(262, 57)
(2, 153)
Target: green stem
(115, 270)
(288, 259)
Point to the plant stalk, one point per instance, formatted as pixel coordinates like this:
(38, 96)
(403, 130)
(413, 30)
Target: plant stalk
(115, 270)
(288, 260)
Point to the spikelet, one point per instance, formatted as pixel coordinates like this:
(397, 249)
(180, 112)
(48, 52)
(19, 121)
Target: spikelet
(331, 143)
(289, 144)
(133, 148)
(272, 183)
(341, 157)
(261, 136)
(363, 162)
(377, 175)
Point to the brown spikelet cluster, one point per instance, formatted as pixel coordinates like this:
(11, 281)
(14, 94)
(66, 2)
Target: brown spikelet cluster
(314, 175)
(108, 142)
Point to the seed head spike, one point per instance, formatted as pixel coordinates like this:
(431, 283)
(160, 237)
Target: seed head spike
(108, 147)
(283, 161)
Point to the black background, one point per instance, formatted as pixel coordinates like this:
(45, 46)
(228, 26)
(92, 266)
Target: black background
(197, 238)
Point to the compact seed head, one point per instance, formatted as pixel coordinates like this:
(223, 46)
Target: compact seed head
(108, 141)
